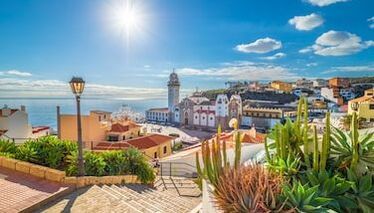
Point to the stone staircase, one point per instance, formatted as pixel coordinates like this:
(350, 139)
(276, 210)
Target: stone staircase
(132, 198)
(182, 186)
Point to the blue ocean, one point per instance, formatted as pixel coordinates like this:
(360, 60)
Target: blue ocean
(43, 111)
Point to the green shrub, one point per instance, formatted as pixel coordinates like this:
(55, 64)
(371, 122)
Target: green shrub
(7, 146)
(26, 153)
(94, 164)
(136, 164)
(115, 162)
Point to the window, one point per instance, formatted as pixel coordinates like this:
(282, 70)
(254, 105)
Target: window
(371, 106)
(165, 149)
(211, 118)
(155, 155)
(124, 137)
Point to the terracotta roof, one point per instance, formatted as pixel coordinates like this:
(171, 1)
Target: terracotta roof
(139, 143)
(119, 128)
(2, 132)
(247, 138)
(36, 129)
(149, 141)
(11, 112)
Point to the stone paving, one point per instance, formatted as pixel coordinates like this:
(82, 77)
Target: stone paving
(19, 191)
(131, 198)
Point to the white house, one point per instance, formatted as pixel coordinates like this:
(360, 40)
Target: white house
(14, 125)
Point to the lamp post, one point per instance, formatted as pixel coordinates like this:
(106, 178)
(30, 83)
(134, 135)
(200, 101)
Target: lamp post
(77, 87)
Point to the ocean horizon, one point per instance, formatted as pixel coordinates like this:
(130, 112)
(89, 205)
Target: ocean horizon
(42, 111)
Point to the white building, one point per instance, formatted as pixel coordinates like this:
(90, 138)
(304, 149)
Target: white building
(319, 83)
(14, 125)
(158, 115)
(171, 113)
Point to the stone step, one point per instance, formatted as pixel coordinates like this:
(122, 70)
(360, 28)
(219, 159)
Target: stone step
(134, 197)
(166, 204)
(170, 197)
(133, 208)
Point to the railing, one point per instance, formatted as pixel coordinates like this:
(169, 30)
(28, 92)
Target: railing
(177, 169)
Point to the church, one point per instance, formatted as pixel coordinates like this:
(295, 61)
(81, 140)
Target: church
(196, 111)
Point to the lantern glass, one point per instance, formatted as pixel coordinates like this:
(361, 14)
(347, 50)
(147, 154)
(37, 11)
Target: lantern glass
(77, 85)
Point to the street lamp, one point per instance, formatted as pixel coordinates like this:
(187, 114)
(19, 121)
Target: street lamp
(77, 87)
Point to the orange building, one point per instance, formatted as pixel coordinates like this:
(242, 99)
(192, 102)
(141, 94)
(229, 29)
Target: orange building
(94, 126)
(339, 82)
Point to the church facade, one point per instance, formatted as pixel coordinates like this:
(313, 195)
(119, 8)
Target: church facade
(196, 111)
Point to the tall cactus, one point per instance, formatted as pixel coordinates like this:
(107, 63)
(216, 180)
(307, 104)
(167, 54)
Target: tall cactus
(315, 151)
(305, 135)
(238, 148)
(326, 143)
(214, 160)
(355, 143)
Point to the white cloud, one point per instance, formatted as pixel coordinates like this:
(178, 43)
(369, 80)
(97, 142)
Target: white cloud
(322, 3)
(275, 56)
(371, 22)
(242, 71)
(337, 43)
(313, 64)
(262, 45)
(15, 73)
(361, 68)
(13, 87)
(307, 22)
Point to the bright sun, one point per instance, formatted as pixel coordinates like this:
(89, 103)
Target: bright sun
(127, 18)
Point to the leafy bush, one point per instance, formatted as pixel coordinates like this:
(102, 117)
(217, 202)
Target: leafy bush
(136, 164)
(94, 164)
(115, 162)
(7, 146)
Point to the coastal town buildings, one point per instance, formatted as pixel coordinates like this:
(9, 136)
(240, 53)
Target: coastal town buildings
(363, 106)
(265, 115)
(304, 83)
(319, 83)
(14, 125)
(339, 91)
(280, 86)
(94, 126)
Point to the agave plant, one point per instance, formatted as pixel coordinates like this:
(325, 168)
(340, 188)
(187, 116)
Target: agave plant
(332, 186)
(352, 150)
(362, 191)
(303, 198)
(249, 189)
(288, 167)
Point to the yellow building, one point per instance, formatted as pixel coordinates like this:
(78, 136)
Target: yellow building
(363, 106)
(152, 146)
(94, 126)
(281, 86)
(123, 131)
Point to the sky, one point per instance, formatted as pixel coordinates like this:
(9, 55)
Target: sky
(127, 48)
